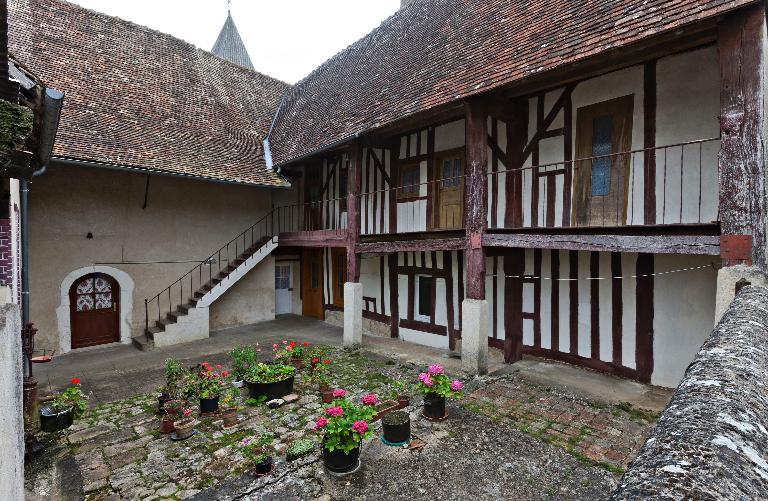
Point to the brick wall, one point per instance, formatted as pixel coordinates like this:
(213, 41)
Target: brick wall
(6, 253)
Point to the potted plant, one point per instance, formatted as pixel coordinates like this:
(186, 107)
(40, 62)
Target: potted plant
(230, 405)
(255, 455)
(435, 385)
(270, 380)
(185, 427)
(344, 426)
(401, 390)
(64, 408)
(396, 426)
(290, 353)
(166, 424)
(318, 375)
(173, 408)
(175, 376)
(210, 383)
(243, 357)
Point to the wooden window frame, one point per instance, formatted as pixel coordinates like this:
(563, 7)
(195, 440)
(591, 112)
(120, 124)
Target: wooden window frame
(621, 142)
(402, 169)
(338, 255)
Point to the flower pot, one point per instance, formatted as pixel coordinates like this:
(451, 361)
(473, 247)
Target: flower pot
(209, 405)
(403, 401)
(270, 390)
(161, 400)
(52, 421)
(166, 426)
(264, 467)
(397, 427)
(340, 462)
(327, 396)
(184, 428)
(434, 406)
(229, 417)
(297, 363)
(173, 413)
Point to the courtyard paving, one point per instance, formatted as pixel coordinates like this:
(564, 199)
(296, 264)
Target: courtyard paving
(511, 436)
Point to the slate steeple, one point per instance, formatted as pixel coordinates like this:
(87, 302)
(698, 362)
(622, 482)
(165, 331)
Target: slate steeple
(230, 46)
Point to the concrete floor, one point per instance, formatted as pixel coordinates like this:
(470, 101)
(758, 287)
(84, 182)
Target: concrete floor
(117, 372)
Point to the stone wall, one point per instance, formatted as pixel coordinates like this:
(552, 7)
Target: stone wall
(711, 441)
(11, 420)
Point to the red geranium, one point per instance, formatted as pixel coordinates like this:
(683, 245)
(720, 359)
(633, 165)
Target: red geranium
(315, 360)
(306, 343)
(75, 380)
(326, 361)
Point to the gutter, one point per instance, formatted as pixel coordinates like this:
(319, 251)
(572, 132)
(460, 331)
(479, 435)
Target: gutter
(143, 170)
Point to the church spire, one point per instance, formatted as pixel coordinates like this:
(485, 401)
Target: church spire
(230, 46)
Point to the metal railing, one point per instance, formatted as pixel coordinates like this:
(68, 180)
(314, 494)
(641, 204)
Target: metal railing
(685, 189)
(207, 272)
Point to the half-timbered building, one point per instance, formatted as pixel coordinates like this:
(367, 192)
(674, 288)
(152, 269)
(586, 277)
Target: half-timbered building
(564, 179)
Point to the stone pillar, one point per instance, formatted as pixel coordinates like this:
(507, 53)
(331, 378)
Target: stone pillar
(11, 419)
(353, 315)
(474, 336)
(727, 277)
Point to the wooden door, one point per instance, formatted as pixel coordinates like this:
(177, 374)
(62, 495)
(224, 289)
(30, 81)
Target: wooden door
(312, 283)
(449, 210)
(603, 135)
(94, 302)
(339, 270)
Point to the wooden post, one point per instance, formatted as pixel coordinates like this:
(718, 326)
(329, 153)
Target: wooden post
(741, 41)
(475, 196)
(354, 177)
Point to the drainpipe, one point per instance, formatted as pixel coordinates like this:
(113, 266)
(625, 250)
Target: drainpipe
(52, 101)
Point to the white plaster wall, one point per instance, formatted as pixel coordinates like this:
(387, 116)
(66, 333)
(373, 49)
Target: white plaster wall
(191, 327)
(684, 312)
(11, 420)
(249, 300)
(184, 220)
(370, 277)
(688, 107)
(449, 136)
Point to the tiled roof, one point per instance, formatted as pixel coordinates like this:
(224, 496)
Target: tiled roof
(230, 46)
(433, 52)
(139, 98)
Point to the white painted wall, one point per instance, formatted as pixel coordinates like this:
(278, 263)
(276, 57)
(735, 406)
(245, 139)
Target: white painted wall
(11, 419)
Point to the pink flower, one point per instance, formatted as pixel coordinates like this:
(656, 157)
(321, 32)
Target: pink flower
(360, 426)
(285, 342)
(277, 356)
(339, 393)
(428, 382)
(320, 422)
(186, 412)
(456, 385)
(289, 348)
(334, 411)
(369, 399)
(423, 376)
(274, 346)
(435, 369)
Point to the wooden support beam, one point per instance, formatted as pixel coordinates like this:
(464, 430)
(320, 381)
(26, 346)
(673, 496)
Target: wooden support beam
(476, 196)
(649, 141)
(741, 43)
(658, 244)
(436, 244)
(354, 177)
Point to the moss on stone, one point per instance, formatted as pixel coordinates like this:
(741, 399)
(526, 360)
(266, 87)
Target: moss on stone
(15, 125)
(299, 448)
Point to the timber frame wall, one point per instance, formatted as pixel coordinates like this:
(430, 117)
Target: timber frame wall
(372, 230)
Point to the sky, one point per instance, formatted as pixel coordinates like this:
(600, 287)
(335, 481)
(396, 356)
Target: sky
(286, 39)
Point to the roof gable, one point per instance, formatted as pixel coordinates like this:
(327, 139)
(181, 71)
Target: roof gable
(230, 46)
(139, 98)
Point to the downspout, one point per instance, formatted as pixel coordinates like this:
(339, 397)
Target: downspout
(52, 101)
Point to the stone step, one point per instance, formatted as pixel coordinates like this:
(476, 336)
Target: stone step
(143, 343)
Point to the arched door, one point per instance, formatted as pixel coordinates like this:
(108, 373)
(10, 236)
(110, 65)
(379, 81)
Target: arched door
(94, 303)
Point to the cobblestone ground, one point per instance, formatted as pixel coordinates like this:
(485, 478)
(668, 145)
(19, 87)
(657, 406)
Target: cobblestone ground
(608, 435)
(507, 438)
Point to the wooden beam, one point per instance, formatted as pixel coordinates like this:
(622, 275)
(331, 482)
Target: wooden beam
(742, 159)
(476, 195)
(320, 238)
(658, 244)
(649, 141)
(354, 177)
(387, 247)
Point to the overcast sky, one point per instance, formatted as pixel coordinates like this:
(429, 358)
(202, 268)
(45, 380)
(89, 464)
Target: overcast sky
(286, 39)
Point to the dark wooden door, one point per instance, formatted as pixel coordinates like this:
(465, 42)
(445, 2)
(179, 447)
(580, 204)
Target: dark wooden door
(94, 302)
(312, 283)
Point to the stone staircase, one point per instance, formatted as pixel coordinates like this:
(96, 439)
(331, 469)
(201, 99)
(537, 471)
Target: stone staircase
(188, 321)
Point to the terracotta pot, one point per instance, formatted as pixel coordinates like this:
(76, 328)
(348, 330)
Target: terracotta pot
(166, 425)
(174, 413)
(297, 362)
(403, 401)
(229, 417)
(184, 427)
(327, 396)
